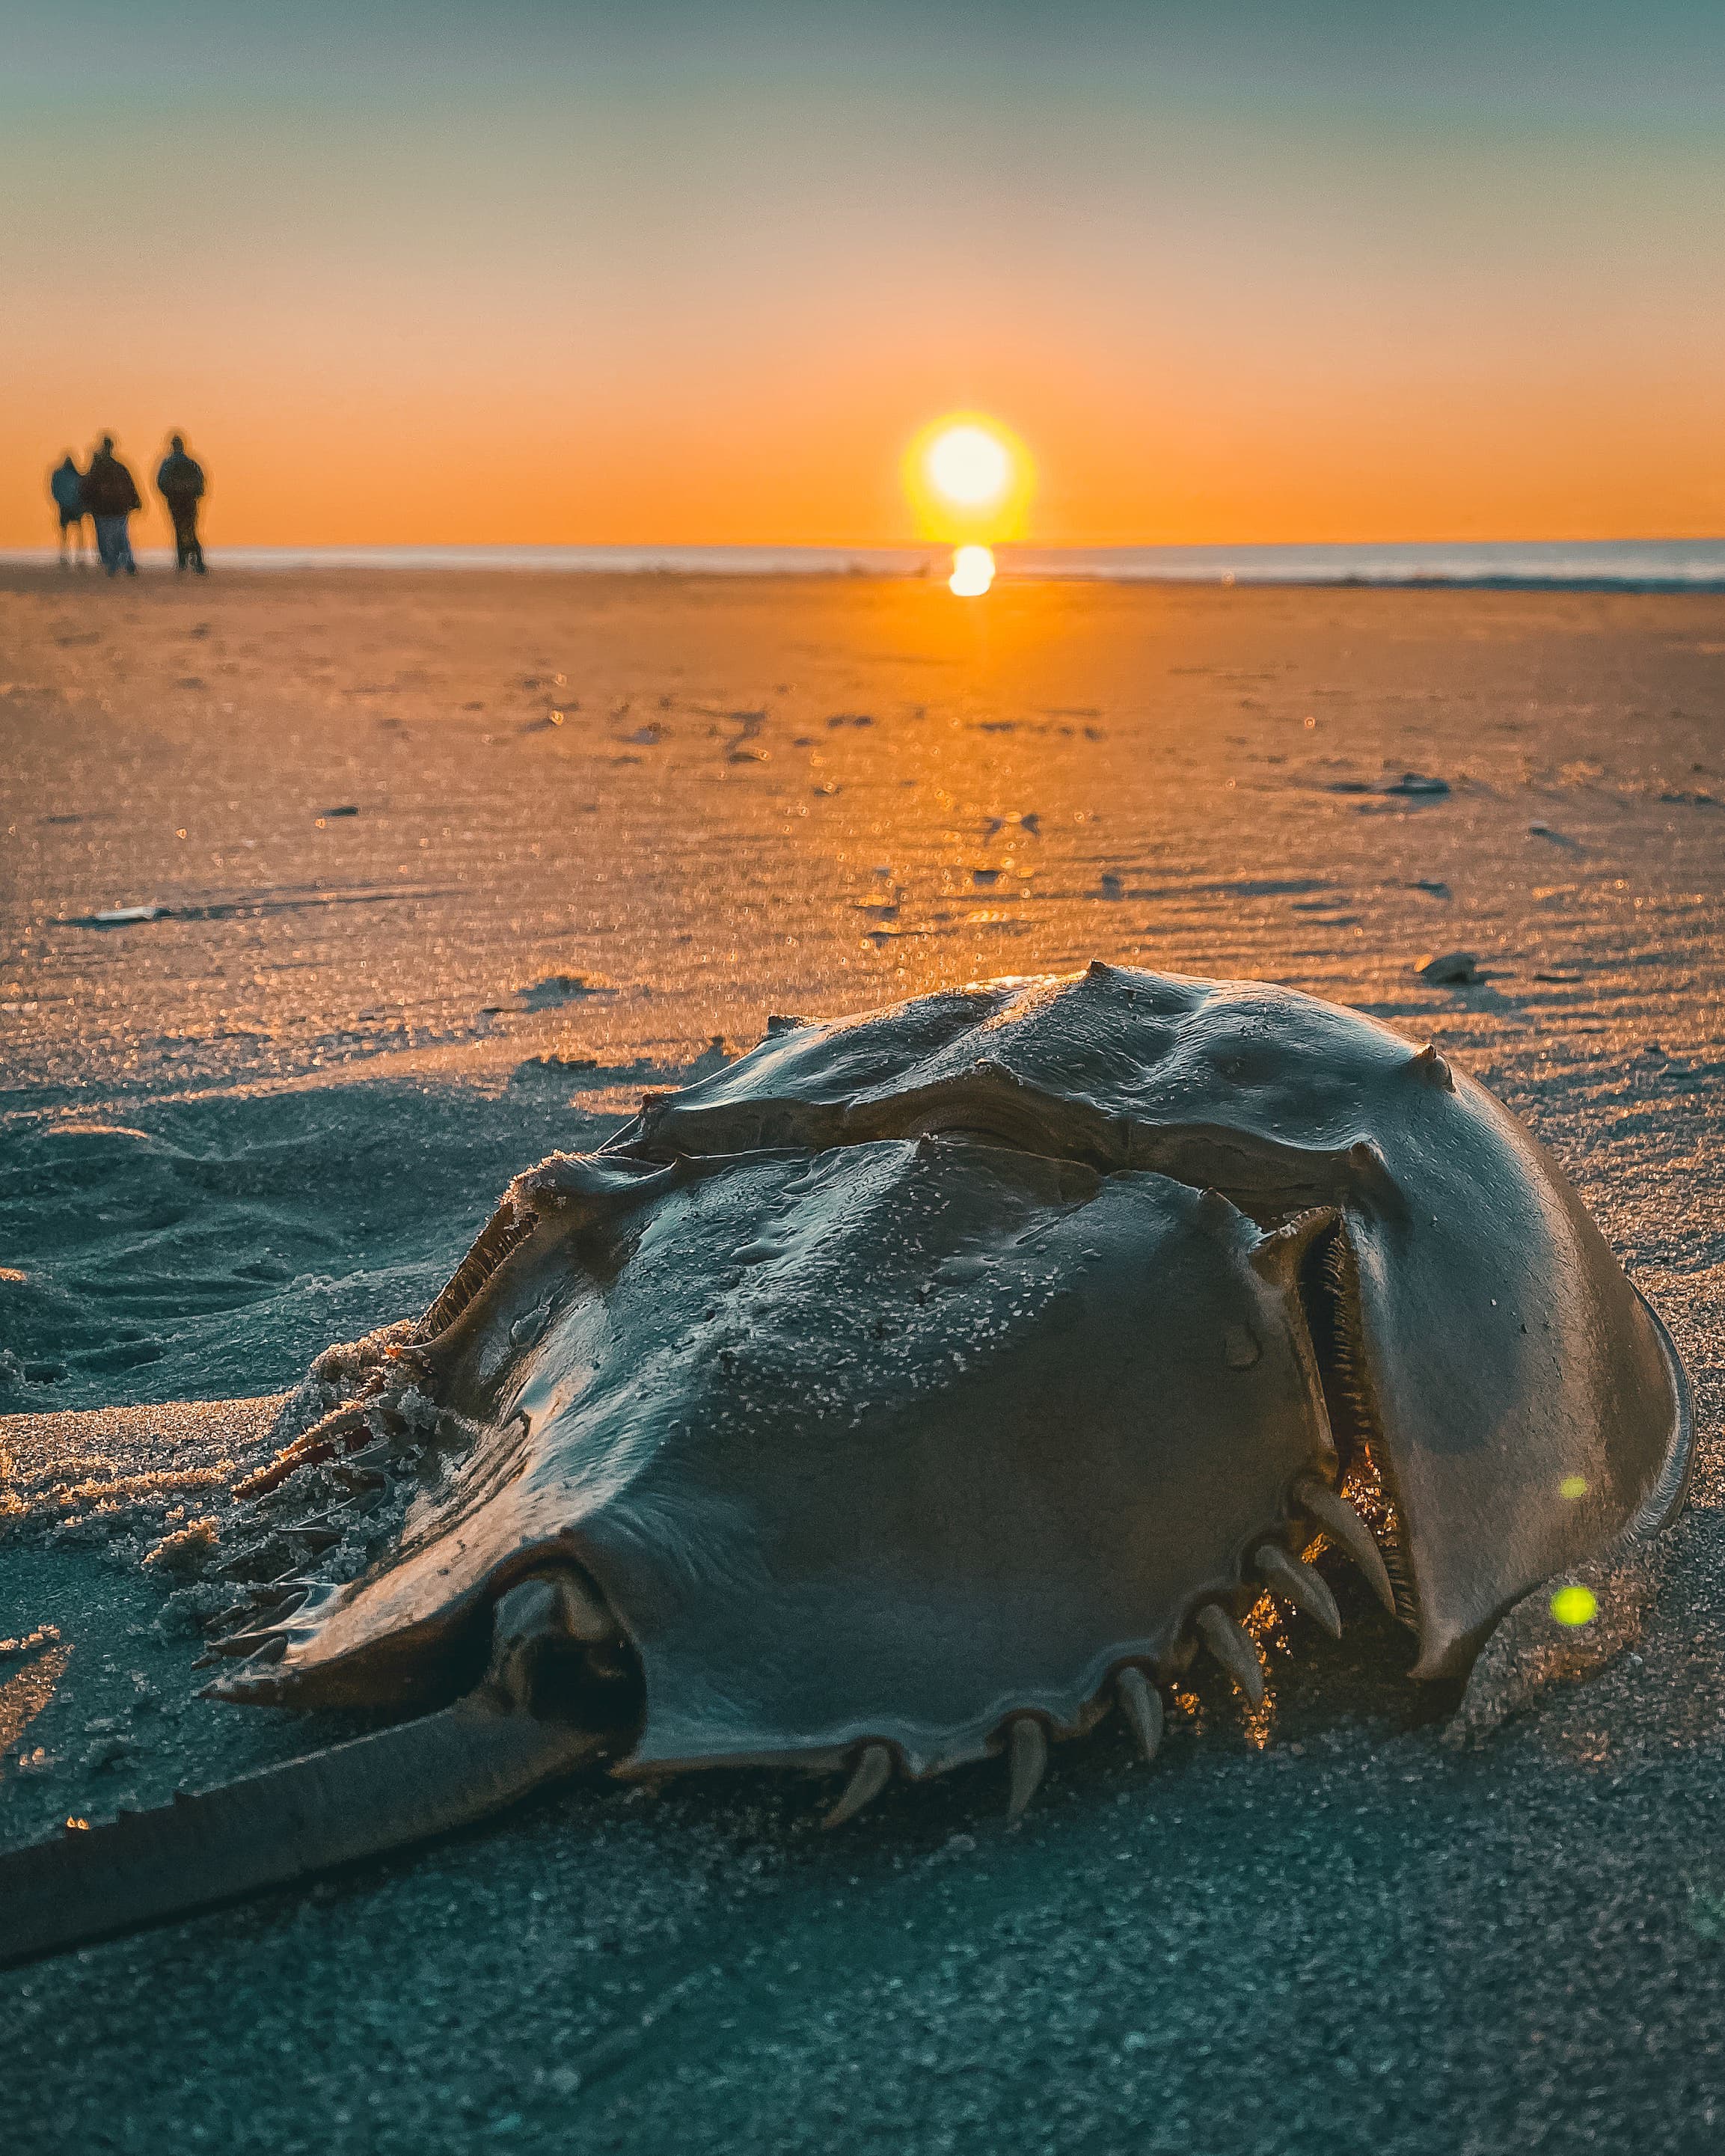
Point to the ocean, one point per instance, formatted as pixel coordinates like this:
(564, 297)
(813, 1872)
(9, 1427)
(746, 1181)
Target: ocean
(1602, 564)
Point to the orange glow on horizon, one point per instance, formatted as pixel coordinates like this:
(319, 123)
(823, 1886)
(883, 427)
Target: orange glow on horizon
(758, 459)
(285, 476)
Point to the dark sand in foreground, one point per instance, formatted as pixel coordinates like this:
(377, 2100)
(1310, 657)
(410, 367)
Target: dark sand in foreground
(599, 823)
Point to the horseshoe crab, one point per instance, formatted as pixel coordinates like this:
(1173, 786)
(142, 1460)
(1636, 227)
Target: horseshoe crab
(916, 1389)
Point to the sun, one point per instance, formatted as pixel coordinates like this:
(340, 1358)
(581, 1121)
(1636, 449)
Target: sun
(969, 480)
(969, 467)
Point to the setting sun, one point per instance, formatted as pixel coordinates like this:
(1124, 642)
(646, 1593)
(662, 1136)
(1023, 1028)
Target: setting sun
(969, 467)
(969, 480)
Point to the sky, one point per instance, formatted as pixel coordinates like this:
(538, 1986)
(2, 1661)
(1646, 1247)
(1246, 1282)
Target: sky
(406, 271)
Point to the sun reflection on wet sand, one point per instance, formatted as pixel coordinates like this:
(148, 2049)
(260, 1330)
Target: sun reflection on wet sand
(973, 572)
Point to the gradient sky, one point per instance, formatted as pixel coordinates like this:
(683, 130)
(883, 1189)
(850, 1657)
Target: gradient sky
(516, 271)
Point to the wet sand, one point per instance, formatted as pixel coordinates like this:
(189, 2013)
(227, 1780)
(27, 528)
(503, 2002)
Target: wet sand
(443, 869)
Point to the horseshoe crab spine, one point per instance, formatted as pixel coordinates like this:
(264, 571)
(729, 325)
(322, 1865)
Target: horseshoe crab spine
(1431, 1066)
(1349, 1532)
(1140, 1703)
(1300, 1583)
(1231, 1644)
(351, 1800)
(872, 1773)
(1027, 1749)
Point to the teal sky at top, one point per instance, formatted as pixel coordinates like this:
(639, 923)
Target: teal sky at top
(181, 121)
(1656, 65)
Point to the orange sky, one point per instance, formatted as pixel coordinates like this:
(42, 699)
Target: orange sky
(402, 275)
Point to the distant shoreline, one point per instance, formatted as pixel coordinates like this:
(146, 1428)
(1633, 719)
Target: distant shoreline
(1629, 565)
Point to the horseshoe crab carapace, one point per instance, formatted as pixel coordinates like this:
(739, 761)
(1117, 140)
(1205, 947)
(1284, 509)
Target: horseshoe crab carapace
(916, 1389)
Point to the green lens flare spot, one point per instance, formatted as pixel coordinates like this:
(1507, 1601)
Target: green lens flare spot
(1573, 1485)
(1575, 1605)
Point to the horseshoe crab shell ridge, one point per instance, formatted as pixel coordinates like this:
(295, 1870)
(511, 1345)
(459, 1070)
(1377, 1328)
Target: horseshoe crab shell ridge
(924, 1381)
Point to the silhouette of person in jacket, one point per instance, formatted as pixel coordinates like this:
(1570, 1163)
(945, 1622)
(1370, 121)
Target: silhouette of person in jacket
(180, 483)
(110, 495)
(66, 482)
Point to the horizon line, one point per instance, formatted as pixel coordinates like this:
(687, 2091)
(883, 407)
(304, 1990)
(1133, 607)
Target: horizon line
(1656, 564)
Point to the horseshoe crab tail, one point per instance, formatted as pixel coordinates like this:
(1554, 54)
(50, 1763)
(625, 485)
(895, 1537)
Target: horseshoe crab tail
(353, 1800)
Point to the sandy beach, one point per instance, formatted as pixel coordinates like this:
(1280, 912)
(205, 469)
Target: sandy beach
(420, 876)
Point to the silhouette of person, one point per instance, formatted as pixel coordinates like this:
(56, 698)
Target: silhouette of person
(66, 482)
(180, 483)
(110, 495)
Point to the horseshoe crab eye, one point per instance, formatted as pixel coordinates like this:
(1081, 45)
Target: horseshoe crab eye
(559, 1652)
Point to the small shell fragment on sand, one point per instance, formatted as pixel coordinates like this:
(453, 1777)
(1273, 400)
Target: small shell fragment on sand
(558, 988)
(1448, 968)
